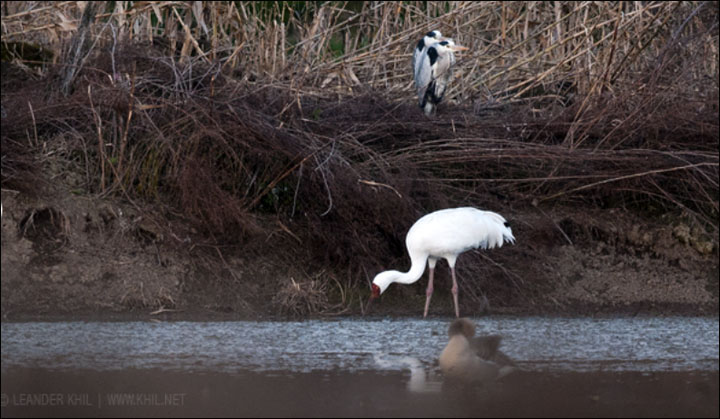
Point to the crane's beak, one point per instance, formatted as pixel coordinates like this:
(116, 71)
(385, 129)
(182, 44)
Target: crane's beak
(374, 293)
(366, 310)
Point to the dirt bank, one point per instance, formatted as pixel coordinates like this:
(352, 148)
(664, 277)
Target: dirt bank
(369, 394)
(245, 196)
(64, 254)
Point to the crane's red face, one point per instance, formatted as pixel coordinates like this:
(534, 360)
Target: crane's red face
(375, 291)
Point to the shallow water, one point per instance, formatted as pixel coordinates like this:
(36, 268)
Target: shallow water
(352, 345)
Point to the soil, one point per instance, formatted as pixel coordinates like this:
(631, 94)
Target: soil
(366, 394)
(66, 254)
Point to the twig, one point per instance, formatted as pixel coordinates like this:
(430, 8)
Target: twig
(634, 175)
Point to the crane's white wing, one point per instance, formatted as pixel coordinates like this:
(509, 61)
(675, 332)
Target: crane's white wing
(455, 230)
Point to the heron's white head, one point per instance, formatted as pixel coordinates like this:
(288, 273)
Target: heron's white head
(434, 35)
(448, 44)
(382, 281)
(430, 38)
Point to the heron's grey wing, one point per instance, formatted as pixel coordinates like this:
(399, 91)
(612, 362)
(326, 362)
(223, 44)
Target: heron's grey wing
(415, 60)
(442, 70)
(423, 76)
(418, 50)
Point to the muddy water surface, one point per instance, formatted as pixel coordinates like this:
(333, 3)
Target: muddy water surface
(651, 366)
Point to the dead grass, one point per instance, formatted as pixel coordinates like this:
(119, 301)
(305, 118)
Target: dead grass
(249, 119)
(300, 299)
(519, 50)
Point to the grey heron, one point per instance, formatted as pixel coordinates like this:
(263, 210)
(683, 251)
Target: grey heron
(421, 47)
(433, 70)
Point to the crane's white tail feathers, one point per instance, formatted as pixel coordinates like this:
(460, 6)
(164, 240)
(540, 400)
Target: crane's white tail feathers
(498, 231)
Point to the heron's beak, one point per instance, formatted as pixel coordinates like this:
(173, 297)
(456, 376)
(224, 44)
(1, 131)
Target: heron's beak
(458, 48)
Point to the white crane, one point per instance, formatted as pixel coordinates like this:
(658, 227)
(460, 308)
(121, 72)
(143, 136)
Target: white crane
(445, 234)
(471, 359)
(432, 70)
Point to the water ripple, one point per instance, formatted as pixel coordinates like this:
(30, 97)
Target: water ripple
(539, 343)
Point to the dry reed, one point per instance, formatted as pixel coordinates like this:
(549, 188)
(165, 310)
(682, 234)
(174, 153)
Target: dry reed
(519, 49)
(233, 113)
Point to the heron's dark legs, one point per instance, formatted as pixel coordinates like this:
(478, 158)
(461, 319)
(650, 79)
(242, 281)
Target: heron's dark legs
(429, 291)
(455, 292)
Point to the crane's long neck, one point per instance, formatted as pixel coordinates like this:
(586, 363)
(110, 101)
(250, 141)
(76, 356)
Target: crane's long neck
(416, 270)
(384, 279)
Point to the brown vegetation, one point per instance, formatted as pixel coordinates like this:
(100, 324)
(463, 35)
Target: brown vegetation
(293, 127)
